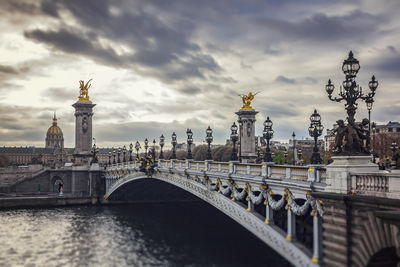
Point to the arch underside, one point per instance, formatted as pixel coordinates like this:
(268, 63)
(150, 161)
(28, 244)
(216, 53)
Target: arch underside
(274, 237)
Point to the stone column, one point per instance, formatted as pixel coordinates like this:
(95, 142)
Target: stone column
(246, 120)
(317, 237)
(269, 213)
(291, 225)
(83, 132)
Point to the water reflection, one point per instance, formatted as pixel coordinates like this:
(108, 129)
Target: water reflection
(172, 234)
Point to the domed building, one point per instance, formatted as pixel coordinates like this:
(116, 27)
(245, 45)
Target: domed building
(54, 136)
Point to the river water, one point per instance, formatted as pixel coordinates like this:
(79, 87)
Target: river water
(169, 234)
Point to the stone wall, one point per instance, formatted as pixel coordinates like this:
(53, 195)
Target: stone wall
(351, 233)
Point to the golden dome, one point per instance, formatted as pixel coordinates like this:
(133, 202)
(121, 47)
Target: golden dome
(54, 129)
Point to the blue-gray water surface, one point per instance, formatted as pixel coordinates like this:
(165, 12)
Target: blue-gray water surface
(169, 234)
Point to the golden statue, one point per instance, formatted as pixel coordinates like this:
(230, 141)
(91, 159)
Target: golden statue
(246, 99)
(84, 92)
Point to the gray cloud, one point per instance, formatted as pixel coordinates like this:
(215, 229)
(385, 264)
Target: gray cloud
(284, 79)
(8, 69)
(58, 94)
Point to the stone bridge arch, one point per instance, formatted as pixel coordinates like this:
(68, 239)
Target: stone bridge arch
(270, 234)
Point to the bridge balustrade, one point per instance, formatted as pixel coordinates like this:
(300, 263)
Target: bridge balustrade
(379, 184)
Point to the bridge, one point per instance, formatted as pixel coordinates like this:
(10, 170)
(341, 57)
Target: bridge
(235, 189)
(343, 233)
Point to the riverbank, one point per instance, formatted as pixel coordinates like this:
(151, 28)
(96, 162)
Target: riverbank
(37, 201)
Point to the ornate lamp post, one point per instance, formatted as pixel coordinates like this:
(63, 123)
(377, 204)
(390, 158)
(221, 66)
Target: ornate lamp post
(137, 147)
(124, 151)
(146, 146)
(114, 155)
(173, 142)
(119, 153)
(294, 148)
(130, 151)
(285, 154)
(234, 139)
(109, 157)
(369, 102)
(350, 93)
(240, 139)
(154, 149)
(162, 139)
(373, 142)
(268, 133)
(315, 130)
(393, 147)
(189, 143)
(209, 139)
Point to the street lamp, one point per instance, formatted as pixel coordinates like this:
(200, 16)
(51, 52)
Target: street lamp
(350, 93)
(119, 153)
(209, 139)
(137, 147)
(124, 151)
(162, 139)
(373, 142)
(369, 102)
(114, 155)
(268, 133)
(234, 139)
(285, 154)
(240, 121)
(294, 148)
(146, 146)
(394, 147)
(154, 149)
(130, 151)
(189, 143)
(315, 130)
(300, 154)
(173, 142)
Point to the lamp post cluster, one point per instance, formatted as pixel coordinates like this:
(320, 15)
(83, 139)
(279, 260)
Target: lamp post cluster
(350, 93)
(268, 133)
(315, 130)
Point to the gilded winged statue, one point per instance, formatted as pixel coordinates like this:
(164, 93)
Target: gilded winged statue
(246, 99)
(84, 92)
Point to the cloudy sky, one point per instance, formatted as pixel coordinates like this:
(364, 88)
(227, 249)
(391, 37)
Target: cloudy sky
(163, 66)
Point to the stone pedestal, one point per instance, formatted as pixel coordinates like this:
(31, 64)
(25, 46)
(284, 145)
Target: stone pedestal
(247, 119)
(338, 179)
(83, 132)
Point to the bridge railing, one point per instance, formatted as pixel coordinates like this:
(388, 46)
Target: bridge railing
(379, 184)
(303, 173)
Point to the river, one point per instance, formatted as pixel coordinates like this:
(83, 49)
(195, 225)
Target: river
(168, 234)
